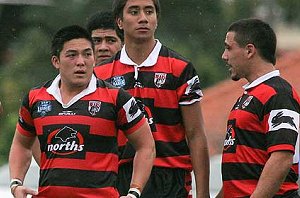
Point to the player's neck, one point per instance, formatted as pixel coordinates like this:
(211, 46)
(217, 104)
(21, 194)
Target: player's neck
(138, 52)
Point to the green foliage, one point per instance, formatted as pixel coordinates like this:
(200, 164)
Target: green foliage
(194, 28)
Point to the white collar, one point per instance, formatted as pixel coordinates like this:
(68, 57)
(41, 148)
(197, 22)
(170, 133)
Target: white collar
(55, 92)
(262, 79)
(150, 61)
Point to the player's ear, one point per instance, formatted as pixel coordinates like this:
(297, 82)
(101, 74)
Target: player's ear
(119, 22)
(250, 50)
(55, 61)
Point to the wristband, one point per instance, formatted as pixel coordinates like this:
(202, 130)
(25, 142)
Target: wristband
(13, 184)
(134, 193)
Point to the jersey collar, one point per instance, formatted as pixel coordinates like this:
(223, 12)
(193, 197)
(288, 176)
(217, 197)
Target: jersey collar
(262, 79)
(55, 92)
(150, 61)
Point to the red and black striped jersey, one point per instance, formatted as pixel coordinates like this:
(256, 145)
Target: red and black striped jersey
(79, 142)
(160, 85)
(264, 119)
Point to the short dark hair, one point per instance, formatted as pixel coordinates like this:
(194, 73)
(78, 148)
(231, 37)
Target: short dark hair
(258, 33)
(66, 34)
(118, 6)
(103, 20)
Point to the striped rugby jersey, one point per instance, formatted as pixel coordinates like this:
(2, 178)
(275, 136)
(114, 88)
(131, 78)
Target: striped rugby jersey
(163, 82)
(264, 119)
(79, 141)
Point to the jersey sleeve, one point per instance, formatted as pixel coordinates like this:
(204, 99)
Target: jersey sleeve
(282, 123)
(25, 122)
(130, 117)
(189, 90)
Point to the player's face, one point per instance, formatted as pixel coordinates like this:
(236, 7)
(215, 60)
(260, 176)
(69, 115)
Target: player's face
(235, 57)
(139, 20)
(75, 63)
(107, 44)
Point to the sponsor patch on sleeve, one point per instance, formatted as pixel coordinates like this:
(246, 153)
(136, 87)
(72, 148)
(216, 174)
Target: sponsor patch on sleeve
(132, 110)
(283, 119)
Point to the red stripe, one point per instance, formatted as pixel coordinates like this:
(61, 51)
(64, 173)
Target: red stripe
(247, 121)
(42, 93)
(162, 98)
(296, 96)
(98, 126)
(183, 162)
(169, 133)
(295, 168)
(64, 191)
(163, 61)
(136, 126)
(262, 92)
(242, 188)
(25, 115)
(287, 186)
(24, 132)
(281, 147)
(105, 94)
(238, 188)
(116, 68)
(246, 154)
(93, 162)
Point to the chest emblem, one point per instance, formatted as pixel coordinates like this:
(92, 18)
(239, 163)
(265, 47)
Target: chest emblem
(159, 79)
(118, 81)
(94, 107)
(44, 107)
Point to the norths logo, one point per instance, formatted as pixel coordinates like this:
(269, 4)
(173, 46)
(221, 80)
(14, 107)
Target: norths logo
(65, 141)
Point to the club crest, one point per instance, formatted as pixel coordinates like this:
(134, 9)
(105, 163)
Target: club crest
(94, 107)
(159, 79)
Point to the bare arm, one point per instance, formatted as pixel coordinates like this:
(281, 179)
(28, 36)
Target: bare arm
(194, 126)
(143, 142)
(19, 161)
(36, 151)
(273, 174)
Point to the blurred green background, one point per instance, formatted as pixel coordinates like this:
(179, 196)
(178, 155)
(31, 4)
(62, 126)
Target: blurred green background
(194, 28)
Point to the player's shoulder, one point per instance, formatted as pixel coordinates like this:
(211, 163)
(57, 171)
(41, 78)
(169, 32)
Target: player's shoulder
(170, 53)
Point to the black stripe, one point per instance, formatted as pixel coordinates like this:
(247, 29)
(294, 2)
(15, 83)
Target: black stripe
(81, 108)
(92, 143)
(245, 171)
(282, 136)
(240, 171)
(167, 116)
(77, 178)
(163, 149)
(169, 149)
(251, 139)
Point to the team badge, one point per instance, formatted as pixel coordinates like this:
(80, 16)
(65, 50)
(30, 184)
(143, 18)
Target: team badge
(230, 138)
(247, 102)
(44, 107)
(94, 107)
(283, 118)
(159, 79)
(118, 81)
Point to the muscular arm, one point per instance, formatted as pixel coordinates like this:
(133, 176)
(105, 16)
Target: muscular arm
(194, 126)
(19, 160)
(273, 174)
(36, 151)
(143, 143)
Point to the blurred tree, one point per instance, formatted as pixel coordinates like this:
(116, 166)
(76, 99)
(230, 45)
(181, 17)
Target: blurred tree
(194, 28)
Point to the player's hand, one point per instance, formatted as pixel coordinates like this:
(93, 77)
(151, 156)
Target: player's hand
(22, 192)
